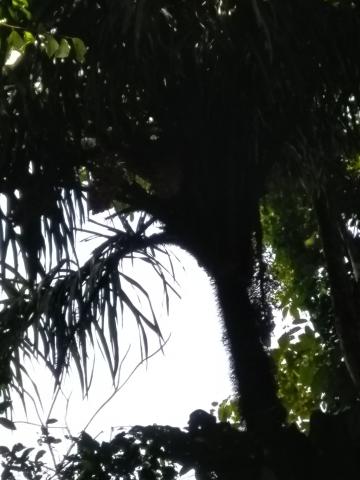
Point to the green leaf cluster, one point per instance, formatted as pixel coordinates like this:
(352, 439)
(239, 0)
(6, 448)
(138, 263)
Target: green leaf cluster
(62, 47)
(15, 10)
(228, 411)
(19, 30)
(302, 374)
(310, 365)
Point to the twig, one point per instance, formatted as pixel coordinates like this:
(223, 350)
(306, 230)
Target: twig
(119, 387)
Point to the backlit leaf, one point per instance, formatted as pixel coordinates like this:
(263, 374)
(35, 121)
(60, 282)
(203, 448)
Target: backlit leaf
(15, 41)
(51, 46)
(79, 49)
(63, 50)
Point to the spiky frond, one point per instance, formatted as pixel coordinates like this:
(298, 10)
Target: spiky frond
(73, 305)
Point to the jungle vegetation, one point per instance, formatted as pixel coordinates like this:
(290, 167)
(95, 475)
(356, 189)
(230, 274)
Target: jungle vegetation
(234, 125)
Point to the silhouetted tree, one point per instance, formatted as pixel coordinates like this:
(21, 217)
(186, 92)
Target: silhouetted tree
(190, 112)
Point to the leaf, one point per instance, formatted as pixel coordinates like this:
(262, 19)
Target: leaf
(224, 412)
(284, 340)
(29, 37)
(299, 321)
(309, 331)
(293, 330)
(63, 50)
(25, 454)
(21, 6)
(17, 447)
(51, 440)
(13, 56)
(51, 46)
(39, 455)
(79, 49)
(5, 405)
(15, 41)
(50, 421)
(5, 422)
(4, 450)
(294, 312)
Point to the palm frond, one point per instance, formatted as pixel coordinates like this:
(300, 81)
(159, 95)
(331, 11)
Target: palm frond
(33, 240)
(60, 316)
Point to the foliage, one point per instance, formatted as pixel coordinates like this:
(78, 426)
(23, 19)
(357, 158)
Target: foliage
(302, 374)
(18, 32)
(310, 366)
(235, 127)
(228, 411)
(213, 449)
(65, 304)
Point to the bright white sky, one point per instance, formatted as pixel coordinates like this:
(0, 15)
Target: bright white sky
(192, 372)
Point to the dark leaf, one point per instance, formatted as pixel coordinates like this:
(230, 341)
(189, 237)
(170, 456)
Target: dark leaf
(39, 455)
(50, 421)
(5, 422)
(5, 405)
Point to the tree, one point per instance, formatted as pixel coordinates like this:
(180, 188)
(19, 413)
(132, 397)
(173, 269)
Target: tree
(190, 112)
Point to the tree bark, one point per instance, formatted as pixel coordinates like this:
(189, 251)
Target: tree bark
(253, 370)
(227, 253)
(214, 216)
(344, 289)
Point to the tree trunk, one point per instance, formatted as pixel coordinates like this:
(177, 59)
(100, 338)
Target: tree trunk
(344, 289)
(253, 370)
(224, 246)
(215, 216)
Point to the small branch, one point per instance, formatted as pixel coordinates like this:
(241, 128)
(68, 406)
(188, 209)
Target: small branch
(120, 387)
(39, 425)
(13, 27)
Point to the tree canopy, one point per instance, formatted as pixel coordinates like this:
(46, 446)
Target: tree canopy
(235, 125)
